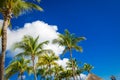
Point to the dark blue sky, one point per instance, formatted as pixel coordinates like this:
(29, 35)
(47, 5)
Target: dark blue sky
(97, 20)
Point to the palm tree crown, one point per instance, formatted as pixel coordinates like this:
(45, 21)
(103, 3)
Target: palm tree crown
(16, 7)
(70, 41)
(47, 60)
(19, 65)
(88, 67)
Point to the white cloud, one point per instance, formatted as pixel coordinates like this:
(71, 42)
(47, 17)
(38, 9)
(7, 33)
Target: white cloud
(83, 77)
(45, 32)
(63, 62)
(80, 77)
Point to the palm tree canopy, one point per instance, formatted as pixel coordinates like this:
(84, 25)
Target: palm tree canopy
(70, 41)
(88, 67)
(18, 65)
(17, 6)
(69, 63)
(30, 46)
(48, 59)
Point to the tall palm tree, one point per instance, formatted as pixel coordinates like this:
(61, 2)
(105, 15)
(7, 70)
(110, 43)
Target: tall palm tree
(88, 67)
(19, 65)
(48, 60)
(70, 41)
(31, 48)
(8, 9)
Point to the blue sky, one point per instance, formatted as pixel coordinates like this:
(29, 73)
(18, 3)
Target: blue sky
(97, 20)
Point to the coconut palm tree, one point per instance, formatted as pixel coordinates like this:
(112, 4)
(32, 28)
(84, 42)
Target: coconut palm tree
(31, 48)
(42, 73)
(88, 67)
(48, 60)
(77, 69)
(8, 9)
(70, 41)
(57, 71)
(66, 74)
(19, 65)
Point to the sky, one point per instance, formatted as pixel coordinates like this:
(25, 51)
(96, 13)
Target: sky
(97, 20)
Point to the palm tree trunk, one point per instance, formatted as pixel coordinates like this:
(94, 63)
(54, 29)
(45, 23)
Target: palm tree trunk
(21, 76)
(72, 64)
(34, 68)
(80, 77)
(49, 66)
(4, 45)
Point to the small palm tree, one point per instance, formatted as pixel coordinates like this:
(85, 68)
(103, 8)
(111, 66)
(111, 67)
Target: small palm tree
(66, 74)
(57, 71)
(77, 69)
(88, 67)
(31, 48)
(19, 65)
(48, 60)
(42, 73)
(70, 41)
(8, 9)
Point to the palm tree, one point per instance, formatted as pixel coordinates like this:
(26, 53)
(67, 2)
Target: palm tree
(88, 67)
(70, 41)
(42, 73)
(57, 71)
(66, 74)
(77, 69)
(8, 9)
(19, 65)
(32, 48)
(48, 60)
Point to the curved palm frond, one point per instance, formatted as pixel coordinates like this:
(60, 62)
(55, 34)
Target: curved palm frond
(18, 7)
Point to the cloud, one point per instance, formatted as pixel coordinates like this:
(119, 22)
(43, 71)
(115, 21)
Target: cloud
(63, 62)
(80, 77)
(36, 28)
(83, 77)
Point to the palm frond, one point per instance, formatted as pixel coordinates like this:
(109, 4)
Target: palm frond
(40, 45)
(20, 6)
(78, 48)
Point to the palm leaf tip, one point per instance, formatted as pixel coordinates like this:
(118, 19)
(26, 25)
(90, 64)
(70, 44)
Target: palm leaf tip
(84, 38)
(35, 6)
